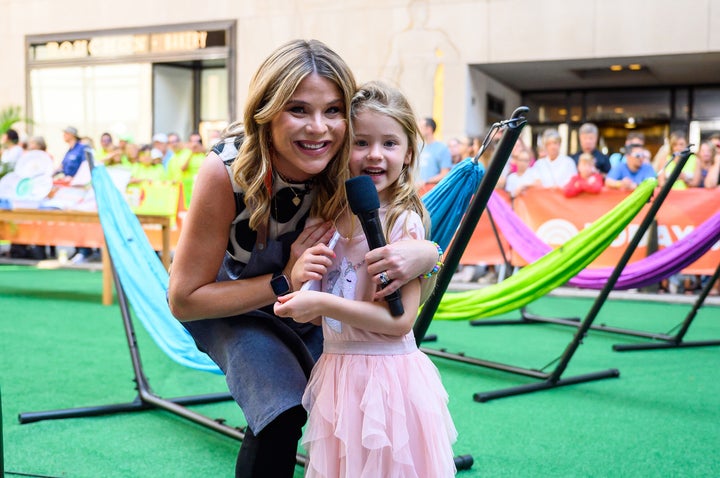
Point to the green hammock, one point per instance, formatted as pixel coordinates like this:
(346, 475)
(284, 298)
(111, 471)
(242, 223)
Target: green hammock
(550, 271)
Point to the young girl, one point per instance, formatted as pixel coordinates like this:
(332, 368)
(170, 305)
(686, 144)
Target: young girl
(587, 180)
(376, 403)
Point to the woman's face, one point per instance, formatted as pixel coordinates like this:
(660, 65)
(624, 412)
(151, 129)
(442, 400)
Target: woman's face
(679, 145)
(379, 150)
(522, 161)
(310, 129)
(706, 153)
(552, 148)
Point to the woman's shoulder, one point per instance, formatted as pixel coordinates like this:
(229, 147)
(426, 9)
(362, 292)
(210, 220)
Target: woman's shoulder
(227, 149)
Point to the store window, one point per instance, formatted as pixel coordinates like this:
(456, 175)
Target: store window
(706, 103)
(132, 82)
(94, 99)
(628, 106)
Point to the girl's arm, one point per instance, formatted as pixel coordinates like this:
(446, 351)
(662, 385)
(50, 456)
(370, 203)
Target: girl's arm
(193, 292)
(304, 306)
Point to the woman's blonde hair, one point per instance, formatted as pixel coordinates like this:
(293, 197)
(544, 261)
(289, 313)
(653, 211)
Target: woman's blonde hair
(271, 88)
(381, 98)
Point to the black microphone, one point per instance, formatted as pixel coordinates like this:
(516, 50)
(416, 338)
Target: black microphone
(364, 202)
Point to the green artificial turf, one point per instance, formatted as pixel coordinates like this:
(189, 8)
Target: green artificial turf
(60, 348)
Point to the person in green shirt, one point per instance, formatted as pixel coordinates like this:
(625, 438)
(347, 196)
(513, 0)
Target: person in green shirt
(149, 166)
(180, 157)
(678, 143)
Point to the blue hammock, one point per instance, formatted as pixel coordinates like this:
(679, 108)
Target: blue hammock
(449, 199)
(142, 275)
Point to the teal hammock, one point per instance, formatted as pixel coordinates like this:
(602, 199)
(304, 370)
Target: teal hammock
(142, 275)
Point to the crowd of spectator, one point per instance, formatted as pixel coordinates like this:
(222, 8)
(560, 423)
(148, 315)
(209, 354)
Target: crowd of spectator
(166, 157)
(591, 171)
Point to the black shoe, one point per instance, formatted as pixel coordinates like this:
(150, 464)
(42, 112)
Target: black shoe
(37, 253)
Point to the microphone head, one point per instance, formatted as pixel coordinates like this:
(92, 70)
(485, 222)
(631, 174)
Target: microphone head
(362, 195)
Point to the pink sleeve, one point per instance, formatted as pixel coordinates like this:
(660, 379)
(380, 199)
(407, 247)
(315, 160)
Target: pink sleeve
(408, 226)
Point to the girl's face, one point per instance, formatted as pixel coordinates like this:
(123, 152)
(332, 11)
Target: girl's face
(310, 130)
(379, 150)
(585, 169)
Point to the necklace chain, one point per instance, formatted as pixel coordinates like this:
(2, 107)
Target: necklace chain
(292, 181)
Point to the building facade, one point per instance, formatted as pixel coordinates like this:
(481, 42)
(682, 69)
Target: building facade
(138, 68)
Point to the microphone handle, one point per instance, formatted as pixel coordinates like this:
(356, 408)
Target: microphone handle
(376, 238)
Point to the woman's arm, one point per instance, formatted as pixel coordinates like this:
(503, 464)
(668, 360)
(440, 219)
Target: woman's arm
(403, 261)
(304, 306)
(193, 291)
(711, 180)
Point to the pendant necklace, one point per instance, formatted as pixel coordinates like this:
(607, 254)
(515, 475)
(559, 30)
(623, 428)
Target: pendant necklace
(297, 199)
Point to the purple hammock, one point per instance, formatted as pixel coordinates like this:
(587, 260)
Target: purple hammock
(649, 270)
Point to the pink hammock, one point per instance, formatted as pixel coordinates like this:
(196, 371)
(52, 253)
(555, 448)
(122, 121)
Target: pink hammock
(647, 271)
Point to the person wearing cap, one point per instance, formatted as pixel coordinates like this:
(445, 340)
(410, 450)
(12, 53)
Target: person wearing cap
(75, 155)
(70, 165)
(160, 147)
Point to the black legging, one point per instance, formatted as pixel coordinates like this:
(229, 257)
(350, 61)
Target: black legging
(271, 453)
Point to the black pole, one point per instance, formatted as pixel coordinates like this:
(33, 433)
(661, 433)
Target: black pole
(506, 259)
(610, 284)
(677, 340)
(696, 306)
(652, 248)
(472, 216)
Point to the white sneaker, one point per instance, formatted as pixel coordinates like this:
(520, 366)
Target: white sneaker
(78, 258)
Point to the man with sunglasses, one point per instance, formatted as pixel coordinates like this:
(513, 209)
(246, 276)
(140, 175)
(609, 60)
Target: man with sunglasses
(626, 176)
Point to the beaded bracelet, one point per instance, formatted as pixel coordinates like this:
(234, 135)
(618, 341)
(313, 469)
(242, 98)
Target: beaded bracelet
(438, 265)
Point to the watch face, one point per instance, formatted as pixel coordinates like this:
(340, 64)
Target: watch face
(280, 285)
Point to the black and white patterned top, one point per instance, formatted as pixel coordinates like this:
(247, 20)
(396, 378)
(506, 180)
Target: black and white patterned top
(289, 206)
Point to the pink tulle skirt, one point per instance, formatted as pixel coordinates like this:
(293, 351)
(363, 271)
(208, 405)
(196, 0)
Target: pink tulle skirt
(378, 416)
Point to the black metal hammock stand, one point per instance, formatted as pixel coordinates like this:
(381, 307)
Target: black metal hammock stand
(546, 380)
